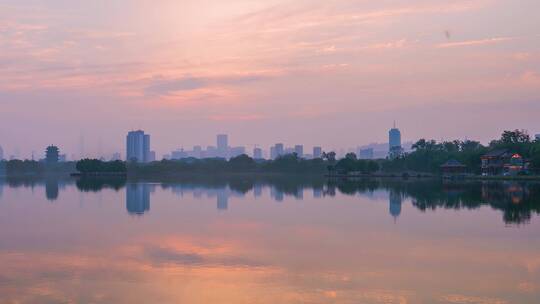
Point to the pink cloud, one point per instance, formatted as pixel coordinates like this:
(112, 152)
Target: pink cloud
(475, 42)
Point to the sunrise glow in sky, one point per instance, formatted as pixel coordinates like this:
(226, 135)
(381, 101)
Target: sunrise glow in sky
(315, 72)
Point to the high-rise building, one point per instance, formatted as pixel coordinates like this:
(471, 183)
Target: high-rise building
(257, 153)
(151, 156)
(537, 136)
(236, 151)
(394, 142)
(317, 152)
(197, 152)
(273, 154)
(1, 153)
(366, 153)
(146, 149)
(222, 145)
(299, 150)
(138, 146)
(279, 150)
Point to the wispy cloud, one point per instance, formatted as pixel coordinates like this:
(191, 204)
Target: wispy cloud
(475, 42)
(161, 87)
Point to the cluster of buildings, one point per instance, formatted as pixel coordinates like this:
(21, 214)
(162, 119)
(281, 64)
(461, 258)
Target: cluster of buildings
(138, 147)
(279, 150)
(223, 150)
(220, 150)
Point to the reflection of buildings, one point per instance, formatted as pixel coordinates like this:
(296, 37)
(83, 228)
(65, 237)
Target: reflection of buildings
(257, 190)
(221, 193)
(222, 199)
(504, 193)
(138, 198)
(395, 199)
(276, 194)
(299, 195)
(317, 192)
(51, 189)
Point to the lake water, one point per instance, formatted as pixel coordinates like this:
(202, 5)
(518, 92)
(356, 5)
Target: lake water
(269, 241)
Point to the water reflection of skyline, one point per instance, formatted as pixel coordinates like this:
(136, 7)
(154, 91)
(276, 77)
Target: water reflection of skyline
(329, 243)
(138, 198)
(518, 201)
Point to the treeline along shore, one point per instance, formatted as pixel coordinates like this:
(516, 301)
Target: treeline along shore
(513, 155)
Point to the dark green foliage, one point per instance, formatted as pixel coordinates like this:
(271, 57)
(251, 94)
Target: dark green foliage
(18, 167)
(429, 155)
(24, 167)
(98, 166)
(351, 164)
(242, 162)
(290, 164)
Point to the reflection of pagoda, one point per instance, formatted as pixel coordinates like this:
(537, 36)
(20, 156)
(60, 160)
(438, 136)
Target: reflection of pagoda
(395, 199)
(138, 198)
(51, 189)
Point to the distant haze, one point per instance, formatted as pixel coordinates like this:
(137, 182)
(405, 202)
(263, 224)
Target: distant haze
(81, 74)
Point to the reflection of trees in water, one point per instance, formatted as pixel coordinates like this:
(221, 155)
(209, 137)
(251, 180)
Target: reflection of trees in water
(225, 187)
(517, 200)
(91, 184)
(52, 184)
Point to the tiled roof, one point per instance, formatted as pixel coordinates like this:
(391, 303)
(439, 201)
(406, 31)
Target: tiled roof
(452, 163)
(496, 153)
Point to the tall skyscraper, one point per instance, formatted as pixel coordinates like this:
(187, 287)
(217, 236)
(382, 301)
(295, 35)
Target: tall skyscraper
(1, 153)
(138, 146)
(299, 150)
(222, 145)
(257, 153)
(278, 150)
(394, 141)
(317, 152)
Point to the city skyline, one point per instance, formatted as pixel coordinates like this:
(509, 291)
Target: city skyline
(138, 147)
(265, 71)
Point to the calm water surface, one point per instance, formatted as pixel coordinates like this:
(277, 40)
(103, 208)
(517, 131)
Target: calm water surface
(276, 241)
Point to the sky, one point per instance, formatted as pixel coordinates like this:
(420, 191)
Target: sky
(81, 74)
